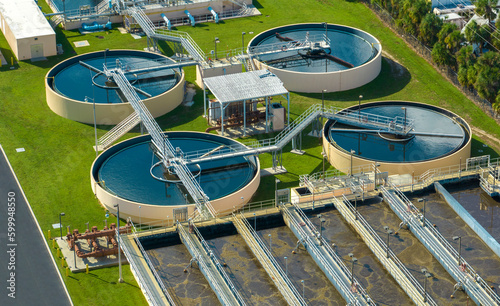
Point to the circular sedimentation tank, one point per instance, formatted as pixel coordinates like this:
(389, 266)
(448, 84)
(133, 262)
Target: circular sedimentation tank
(305, 61)
(74, 84)
(438, 138)
(131, 175)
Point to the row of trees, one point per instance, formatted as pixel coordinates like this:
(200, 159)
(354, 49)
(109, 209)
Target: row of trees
(476, 69)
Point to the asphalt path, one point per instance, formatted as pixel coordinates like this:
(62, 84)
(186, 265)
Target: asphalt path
(27, 269)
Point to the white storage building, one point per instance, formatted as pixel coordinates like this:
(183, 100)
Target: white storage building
(26, 29)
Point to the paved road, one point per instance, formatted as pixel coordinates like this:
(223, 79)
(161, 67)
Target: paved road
(27, 270)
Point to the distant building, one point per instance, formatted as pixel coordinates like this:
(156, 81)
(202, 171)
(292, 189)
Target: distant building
(26, 29)
(448, 4)
(453, 18)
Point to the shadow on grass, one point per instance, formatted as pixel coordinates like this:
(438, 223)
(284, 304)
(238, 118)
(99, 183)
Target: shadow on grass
(392, 78)
(478, 148)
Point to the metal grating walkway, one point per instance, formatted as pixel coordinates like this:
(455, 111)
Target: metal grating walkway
(171, 157)
(326, 259)
(466, 277)
(358, 119)
(266, 259)
(209, 265)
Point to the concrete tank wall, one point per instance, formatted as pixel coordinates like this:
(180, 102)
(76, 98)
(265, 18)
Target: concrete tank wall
(331, 81)
(113, 113)
(341, 159)
(153, 213)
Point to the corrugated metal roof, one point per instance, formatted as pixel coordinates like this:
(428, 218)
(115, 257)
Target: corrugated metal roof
(245, 86)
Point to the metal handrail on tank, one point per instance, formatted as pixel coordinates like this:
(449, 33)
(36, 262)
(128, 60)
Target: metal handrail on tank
(343, 288)
(266, 253)
(384, 123)
(172, 158)
(202, 264)
(402, 276)
(331, 252)
(464, 274)
(288, 46)
(218, 265)
(134, 267)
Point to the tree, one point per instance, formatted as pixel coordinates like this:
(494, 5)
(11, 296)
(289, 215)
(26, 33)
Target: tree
(411, 14)
(485, 8)
(472, 33)
(429, 28)
(441, 55)
(488, 76)
(446, 30)
(465, 56)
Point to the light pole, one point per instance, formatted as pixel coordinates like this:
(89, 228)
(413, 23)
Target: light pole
(353, 260)
(322, 105)
(459, 238)
(359, 107)
(389, 232)
(326, 41)
(276, 181)
(322, 220)
(95, 125)
(404, 122)
(107, 49)
(426, 275)
(140, 220)
(216, 41)
(324, 156)
(270, 243)
(254, 221)
(120, 279)
(303, 289)
(355, 207)
(243, 41)
(286, 266)
(60, 224)
(423, 200)
(352, 153)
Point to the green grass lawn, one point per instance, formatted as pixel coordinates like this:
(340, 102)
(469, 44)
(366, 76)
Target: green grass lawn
(54, 170)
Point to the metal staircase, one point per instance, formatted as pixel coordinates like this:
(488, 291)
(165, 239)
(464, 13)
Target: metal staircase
(118, 131)
(168, 35)
(171, 157)
(102, 6)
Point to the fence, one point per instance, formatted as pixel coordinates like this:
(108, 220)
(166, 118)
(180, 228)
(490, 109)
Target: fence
(425, 53)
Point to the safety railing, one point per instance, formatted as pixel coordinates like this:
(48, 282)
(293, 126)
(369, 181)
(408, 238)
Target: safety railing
(139, 274)
(338, 280)
(464, 274)
(380, 249)
(172, 158)
(209, 273)
(267, 259)
(339, 262)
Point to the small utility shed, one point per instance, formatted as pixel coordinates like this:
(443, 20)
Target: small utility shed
(245, 86)
(26, 29)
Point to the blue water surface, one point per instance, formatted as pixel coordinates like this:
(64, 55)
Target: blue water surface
(419, 148)
(127, 174)
(75, 81)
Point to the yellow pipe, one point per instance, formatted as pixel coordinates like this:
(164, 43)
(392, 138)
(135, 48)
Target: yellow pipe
(49, 234)
(87, 268)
